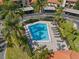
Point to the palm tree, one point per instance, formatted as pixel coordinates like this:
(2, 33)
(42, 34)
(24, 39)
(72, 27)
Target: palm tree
(59, 11)
(58, 14)
(11, 17)
(10, 9)
(39, 5)
(40, 53)
(76, 5)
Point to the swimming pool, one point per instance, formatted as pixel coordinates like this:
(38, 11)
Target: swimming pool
(39, 31)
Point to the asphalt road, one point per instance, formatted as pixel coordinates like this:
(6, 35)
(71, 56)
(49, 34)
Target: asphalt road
(42, 15)
(73, 19)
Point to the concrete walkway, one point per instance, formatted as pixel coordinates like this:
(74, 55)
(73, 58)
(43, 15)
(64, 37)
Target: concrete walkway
(56, 42)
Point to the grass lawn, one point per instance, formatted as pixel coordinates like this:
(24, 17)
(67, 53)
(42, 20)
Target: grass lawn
(16, 53)
(76, 42)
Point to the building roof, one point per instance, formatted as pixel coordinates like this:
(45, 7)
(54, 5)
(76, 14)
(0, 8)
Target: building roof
(50, 1)
(53, 1)
(27, 8)
(64, 55)
(49, 8)
(74, 11)
(33, 1)
(1, 1)
(72, 0)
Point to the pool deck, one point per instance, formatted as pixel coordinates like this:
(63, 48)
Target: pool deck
(54, 43)
(53, 40)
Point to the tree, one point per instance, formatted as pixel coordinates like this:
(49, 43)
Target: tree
(58, 14)
(39, 5)
(76, 5)
(13, 29)
(40, 53)
(61, 1)
(59, 11)
(8, 8)
(11, 17)
(71, 35)
(76, 43)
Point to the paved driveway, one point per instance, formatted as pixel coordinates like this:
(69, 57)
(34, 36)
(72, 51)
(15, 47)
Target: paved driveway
(42, 15)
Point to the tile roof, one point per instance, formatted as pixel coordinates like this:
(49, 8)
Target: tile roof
(65, 55)
(53, 1)
(50, 1)
(1, 1)
(72, 0)
(32, 1)
(74, 11)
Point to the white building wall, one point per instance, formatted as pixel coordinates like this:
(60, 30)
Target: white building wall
(24, 2)
(64, 2)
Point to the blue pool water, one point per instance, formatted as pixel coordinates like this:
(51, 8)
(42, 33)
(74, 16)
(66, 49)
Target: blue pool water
(39, 31)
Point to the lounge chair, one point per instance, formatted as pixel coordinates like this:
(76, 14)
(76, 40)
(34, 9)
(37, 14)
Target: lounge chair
(59, 40)
(59, 46)
(57, 35)
(63, 46)
(1, 40)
